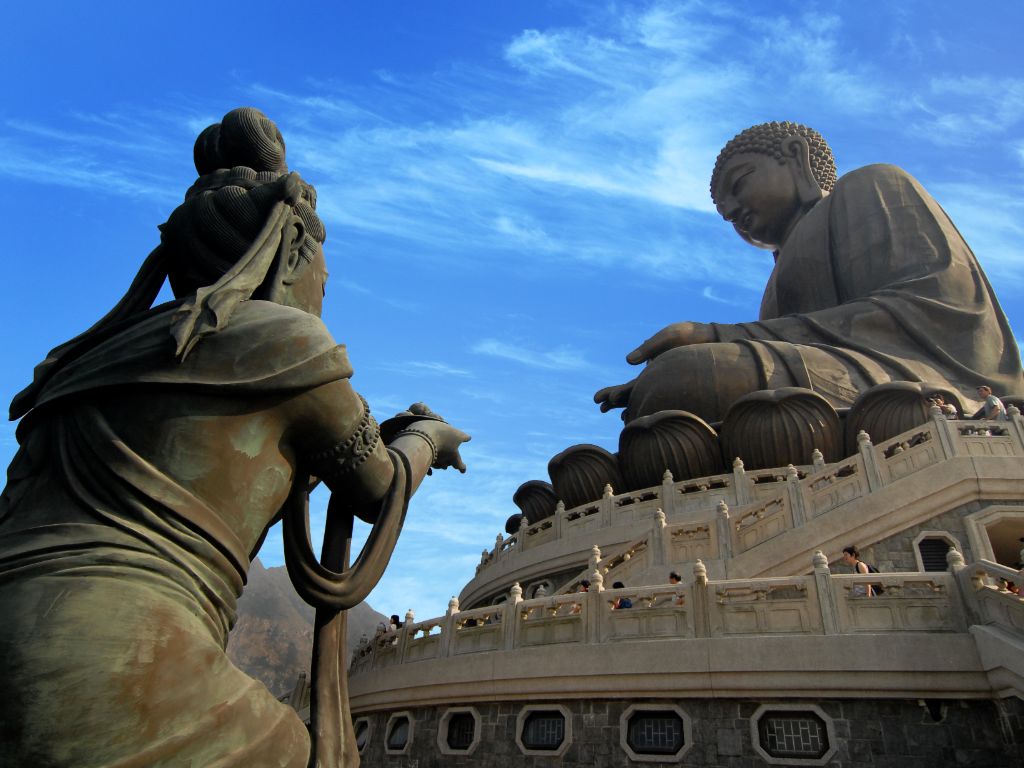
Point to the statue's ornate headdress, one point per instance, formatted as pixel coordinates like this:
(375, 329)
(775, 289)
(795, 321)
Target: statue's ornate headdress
(218, 247)
(768, 138)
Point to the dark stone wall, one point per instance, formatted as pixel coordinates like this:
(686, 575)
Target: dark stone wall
(897, 552)
(869, 734)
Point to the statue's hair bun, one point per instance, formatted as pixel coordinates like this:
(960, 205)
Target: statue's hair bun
(244, 137)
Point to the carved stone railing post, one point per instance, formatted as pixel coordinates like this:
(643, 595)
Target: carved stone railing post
(797, 503)
(701, 617)
(826, 595)
(870, 459)
(607, 505)
(1015, 427)
(817, 460)
(499, 541)
(595, 605)
(741, 485)
(668, 493)
(448, 633)
(724, 533)
(521, 536)
(511, 617)
(404, 634)
(944, 430)
(559, 518)
(967, 585)
(659, 543)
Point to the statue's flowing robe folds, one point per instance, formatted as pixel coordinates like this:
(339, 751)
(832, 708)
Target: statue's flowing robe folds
(118, 584)
(874, 284)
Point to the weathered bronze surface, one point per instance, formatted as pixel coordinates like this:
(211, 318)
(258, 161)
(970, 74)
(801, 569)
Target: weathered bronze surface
(872, 283)
(155, 451)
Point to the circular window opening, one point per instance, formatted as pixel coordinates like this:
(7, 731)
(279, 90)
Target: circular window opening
(544, 730)
(655, 732)
(398, 736)
(793, 735)
(362, 734)
(461, 730)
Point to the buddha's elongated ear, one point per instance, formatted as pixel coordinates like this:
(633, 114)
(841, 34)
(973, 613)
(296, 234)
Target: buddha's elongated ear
(797, 153)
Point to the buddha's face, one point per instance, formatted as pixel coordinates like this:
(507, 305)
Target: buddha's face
(758, 195)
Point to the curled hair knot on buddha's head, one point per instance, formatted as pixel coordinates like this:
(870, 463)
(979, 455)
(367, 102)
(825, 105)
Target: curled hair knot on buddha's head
(769, 138)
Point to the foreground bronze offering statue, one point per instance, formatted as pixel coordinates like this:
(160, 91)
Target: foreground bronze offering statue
(155, 451)
(872, 283)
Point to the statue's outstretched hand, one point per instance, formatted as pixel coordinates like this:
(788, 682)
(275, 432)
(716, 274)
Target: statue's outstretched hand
(670, 337)
(614, 397)
(449, 440)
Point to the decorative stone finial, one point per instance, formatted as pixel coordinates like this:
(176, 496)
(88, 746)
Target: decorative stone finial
(608, 492)
(453, 605)
(410, 617)
(595, 557)
(954, 559)
(559, 507)
(863, 439)
(700, 572)
(737, 464)
(819, 561)
(1012, 411)
(936, 412)
(483, 556)
(541, 591)
(516, 593)
(667, 477)
(523, 525)
(498, 541)
(791, 472)
(723, 509)
(659, 517)
(596, 581)
(817, 458)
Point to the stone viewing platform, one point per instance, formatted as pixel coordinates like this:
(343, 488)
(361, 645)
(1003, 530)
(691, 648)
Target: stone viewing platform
(931, 632)
(725, 519)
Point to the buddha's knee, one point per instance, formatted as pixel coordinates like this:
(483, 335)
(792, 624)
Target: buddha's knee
(704, 379)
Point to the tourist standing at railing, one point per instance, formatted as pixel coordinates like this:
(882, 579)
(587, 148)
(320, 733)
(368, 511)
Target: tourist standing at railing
(851, 557)
(675, 579)
(948, 409)
(621, 602)
(993, 408)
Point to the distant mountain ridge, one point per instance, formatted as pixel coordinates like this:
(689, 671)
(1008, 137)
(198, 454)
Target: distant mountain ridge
(273, 637)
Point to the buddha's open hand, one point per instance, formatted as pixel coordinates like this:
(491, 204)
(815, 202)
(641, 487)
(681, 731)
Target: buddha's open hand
(670, 337)
(614, 397)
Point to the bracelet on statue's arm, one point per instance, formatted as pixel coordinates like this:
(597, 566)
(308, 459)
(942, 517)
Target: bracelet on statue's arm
(423, 436)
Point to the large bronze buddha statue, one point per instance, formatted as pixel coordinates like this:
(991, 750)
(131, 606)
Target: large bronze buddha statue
(872, 283)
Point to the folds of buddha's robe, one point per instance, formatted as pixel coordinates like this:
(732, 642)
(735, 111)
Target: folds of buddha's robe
(874, 284)
(118, 584)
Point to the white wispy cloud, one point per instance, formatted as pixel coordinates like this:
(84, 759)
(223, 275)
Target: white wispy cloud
(561, 358)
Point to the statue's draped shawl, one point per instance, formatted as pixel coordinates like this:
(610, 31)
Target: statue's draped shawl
(129, 580)
(877, 276)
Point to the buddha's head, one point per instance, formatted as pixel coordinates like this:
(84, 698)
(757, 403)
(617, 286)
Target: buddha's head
(767, 177)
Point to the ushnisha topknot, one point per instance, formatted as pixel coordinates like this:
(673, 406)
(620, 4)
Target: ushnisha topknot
(767, 139)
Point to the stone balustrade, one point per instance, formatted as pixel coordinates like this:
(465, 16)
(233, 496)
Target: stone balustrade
(766, 503)
(821, 603)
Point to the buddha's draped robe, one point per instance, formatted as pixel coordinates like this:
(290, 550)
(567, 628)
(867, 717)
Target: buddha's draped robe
(874, 284)
(118, 584)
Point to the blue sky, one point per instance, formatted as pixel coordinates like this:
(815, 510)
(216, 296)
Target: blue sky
(516, 194)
